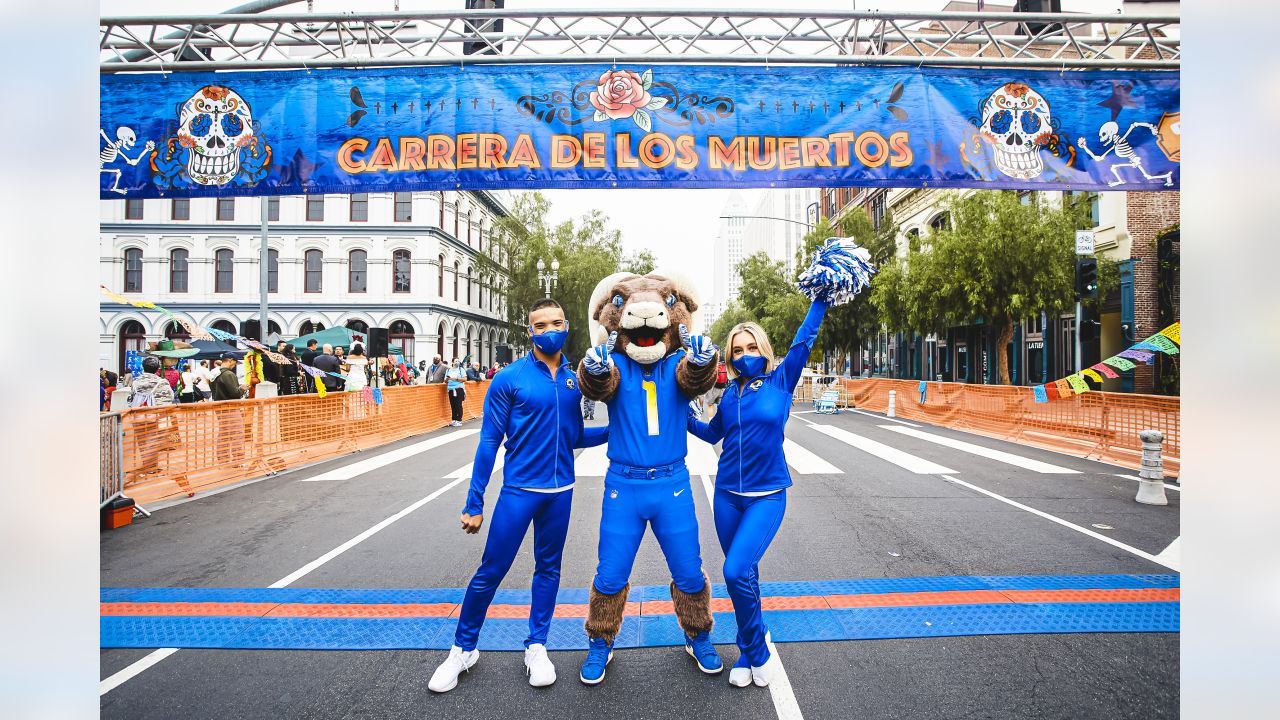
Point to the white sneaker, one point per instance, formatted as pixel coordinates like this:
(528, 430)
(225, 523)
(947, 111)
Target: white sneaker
(445, 677)
(760, 675)
(740, 676)
(536, 663)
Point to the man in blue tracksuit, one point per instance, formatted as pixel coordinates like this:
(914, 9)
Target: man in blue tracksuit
(752, 476)
(535, 404)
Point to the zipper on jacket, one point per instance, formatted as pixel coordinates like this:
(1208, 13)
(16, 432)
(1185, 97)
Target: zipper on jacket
(740, 434)
(555, 396)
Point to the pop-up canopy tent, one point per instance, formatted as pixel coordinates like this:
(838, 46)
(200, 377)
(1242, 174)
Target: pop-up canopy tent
(341, 337)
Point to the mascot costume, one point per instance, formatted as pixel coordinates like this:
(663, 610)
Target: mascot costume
(646, 368)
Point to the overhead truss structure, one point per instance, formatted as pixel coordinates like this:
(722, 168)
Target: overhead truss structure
(1064, 41)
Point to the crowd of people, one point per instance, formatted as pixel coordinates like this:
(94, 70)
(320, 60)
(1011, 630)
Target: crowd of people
(170, 380)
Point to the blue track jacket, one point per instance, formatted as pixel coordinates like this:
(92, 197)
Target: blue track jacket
(542, 421)
(753, 415)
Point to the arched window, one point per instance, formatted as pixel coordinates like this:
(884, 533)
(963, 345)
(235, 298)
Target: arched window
(132, 337)
(273, 271)
(401, 333)
(440, 340)
(357, 271)
(442, 214)
(178, 270)
(440, 292)
(457, 330)
(470, 224)
(310, 326)
(401, 271)
(457, 270)
(468, 286)
(224, 325)
(133, 270)
(473, 348)
(251, 330)
(457, 211)
(913, 239)
(941, 221)
(357, 325)
(223, 270)
(173, 330)
(314, 270)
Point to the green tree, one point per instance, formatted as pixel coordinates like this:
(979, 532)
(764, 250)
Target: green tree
(770, 298)
(732, 315)
(1000, 261)
(640, 262)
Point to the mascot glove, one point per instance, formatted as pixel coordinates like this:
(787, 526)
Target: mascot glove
(700, 348)
(597, 360)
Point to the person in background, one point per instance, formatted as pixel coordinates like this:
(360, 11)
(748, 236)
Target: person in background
(473, 372)
(292, 380)
(201, 376)
(493, 370)
(437, 370)
(149, 388)
(341, 354)
(357, 369)
(308, 358)
(328, 363)
(171, 373)
(226, 385)
(389, 376)
(188, 383)
(456, 378)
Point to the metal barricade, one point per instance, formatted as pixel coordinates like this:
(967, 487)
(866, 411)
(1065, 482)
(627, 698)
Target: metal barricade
(110, 458)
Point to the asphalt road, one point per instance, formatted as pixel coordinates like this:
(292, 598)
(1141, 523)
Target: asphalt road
(872, 519)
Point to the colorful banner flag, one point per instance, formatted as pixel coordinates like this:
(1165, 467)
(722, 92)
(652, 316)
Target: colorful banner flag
(1092, 375)
(1064, 388)
(1141, 356)
(1163, 344)
(321, 390)
(1041, 395)
(363, 130)
(1119, 363)
(1051, 390)
(1107, 371)
(367, 393)
(1173, 332)
(1077, 383)
(377, 396)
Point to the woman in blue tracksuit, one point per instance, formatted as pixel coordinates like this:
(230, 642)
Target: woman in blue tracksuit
(752, 479)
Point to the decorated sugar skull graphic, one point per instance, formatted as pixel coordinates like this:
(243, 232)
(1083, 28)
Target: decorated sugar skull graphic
(1017, 123)
(217, 143)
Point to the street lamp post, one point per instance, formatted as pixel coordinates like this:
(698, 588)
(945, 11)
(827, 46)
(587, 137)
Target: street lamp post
(548, 279)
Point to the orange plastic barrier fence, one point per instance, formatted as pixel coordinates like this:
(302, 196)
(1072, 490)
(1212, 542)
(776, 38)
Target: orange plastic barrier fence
(1096, 425)
(176, 450)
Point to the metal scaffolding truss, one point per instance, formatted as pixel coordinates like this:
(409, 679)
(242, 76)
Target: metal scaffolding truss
(303, 40)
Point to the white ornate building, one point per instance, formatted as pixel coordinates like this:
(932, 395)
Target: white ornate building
(409, 262)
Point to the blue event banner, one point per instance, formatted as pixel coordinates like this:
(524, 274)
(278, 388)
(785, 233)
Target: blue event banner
(586, 126)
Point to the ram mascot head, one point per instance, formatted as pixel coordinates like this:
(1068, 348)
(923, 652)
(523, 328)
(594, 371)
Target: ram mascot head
(646, 311)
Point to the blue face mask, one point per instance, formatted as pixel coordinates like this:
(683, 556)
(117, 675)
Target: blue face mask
(749, 365)
(550, 341)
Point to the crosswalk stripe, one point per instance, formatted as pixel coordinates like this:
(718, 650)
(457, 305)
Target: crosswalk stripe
(349, 471)
(806, 462)
(904, 460)
(986, 452)
(594, 462)
(465, 470)
(1167, 486)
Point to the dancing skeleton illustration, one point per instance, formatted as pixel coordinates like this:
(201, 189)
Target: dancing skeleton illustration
(114, 150)
(1109, 135)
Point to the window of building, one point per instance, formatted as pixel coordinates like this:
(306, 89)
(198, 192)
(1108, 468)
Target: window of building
(457, 330)
(470, 225)
(132, 337)
(357, 325)
(178, 270)
(224, 325)
(401, 271)
(133, 270)
(457, 270)
(251, 329)
(360, 207)
(401, 333)
(941, 221)
(223, 273)
(226, 209)
(1028, 197)
(1088, 200)
(273, 270)
(310, 326)
(913, 239)
(315, 208)
(357, 271)
(173, 330)
(878, 210)
(404, 207)
(440, 342)
(180, 209)
(457, 211)
(133, 209)
(313, 262)
(440, 291)
(442, 210)
(273, 209)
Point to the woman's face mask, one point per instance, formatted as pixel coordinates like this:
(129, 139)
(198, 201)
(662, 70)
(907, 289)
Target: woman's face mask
(749, 366)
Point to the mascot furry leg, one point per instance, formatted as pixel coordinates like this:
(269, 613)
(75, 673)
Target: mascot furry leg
(646, 371)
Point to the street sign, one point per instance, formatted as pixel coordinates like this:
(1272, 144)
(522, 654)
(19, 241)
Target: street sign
(1084, 242)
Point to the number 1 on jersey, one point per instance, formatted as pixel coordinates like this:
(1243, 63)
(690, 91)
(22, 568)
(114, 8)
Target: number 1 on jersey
(651, 404)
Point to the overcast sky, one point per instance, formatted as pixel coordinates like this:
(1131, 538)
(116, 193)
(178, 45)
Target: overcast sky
(679, 226)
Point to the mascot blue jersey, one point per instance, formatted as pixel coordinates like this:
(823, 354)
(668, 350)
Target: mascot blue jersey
(647, 415)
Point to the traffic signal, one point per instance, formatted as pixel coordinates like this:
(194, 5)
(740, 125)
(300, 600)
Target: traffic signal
(1087, 277)
(1089, 330)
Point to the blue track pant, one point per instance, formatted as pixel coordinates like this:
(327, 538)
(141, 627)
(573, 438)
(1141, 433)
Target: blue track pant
(512, 514)
(746, 526)
(666, 504)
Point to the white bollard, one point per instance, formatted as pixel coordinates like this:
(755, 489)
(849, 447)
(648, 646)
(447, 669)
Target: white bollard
(893, 403)
(1151, 485)
(264, 389)
(119, 399)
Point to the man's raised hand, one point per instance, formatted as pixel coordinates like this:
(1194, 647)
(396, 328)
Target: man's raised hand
(700, 349)
(597, 360)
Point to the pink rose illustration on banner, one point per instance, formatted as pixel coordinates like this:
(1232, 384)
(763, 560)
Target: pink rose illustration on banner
(622, 94)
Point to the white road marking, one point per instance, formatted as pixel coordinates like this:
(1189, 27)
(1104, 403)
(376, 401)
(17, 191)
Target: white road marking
(1173, 553)
(798, 415)
(784, 698)
(378, 461)
(709, 488)
(1064, 523)
(465, 470)
(882, 417)
(986, 452)
(904, 460)
(592, 462)
(133, 670)
(806, 462)
(1135, 477)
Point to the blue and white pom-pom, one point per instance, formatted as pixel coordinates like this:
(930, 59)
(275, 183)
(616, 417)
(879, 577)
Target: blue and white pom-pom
(839, 271)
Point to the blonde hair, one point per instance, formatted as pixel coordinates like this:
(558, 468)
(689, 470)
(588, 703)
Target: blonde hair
(762, 342)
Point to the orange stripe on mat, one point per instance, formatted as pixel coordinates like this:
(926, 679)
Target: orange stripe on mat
(636, 609)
